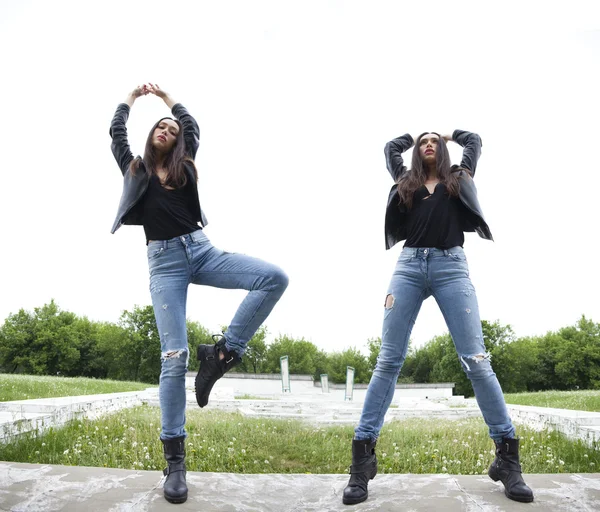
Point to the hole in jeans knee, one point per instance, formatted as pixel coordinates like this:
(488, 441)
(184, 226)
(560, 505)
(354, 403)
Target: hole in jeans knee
(173, 354)
(389, 301)
(477, 358)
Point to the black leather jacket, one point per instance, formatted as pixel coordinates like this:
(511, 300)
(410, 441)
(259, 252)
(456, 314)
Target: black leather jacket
(135, 185)
(395, 215)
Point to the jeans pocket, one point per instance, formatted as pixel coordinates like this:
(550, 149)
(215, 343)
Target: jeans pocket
(458, 256)
(154, 252)
(405, 258)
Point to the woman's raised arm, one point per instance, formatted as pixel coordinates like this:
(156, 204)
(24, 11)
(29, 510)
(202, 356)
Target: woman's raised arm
(191, 131)
(471, 143)
(118, 130)
(393, 155)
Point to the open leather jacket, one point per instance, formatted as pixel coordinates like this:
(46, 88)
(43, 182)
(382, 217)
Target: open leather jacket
(395, 215)
(135, 185)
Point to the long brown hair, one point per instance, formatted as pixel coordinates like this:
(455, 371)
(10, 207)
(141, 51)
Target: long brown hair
(416, 177)
(174, 162)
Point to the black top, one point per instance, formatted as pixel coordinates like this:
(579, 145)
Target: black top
(396, 212)
(435, 220)
(168, 213)
(131, 209)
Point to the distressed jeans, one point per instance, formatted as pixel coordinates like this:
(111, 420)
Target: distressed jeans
(419, 273)
(176, 263)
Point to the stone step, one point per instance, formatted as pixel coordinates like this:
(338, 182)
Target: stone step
(42, 413)
(44, 487)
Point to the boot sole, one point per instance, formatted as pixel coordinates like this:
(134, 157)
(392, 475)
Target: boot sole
(182, 499)
(202, 400)
(354, 501)
(520, 499)
(496, 478)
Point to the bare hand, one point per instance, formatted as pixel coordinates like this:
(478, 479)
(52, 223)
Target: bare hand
(447, 138)
(156, 90)
(140, 90)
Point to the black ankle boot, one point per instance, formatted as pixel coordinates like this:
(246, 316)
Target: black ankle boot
(363, 469)
(212, 367)
(175, 488)
(507, 469)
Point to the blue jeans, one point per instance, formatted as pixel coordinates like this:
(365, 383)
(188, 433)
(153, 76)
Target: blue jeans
(176, 263)
(419, 273)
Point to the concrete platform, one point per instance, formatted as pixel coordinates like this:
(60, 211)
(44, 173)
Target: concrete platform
(20, 416)
(31, 488)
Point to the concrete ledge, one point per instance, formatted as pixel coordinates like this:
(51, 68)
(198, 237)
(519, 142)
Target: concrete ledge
(582, 425)
(265, 376)
(440, 385)
(26, 487)
(21, 416)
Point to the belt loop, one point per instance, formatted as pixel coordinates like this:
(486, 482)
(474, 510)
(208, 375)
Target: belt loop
(446, 252)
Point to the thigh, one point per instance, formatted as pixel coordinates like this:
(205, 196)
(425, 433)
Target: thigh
(405, 295)
(456, 297)
(168, 288)
(228, 270)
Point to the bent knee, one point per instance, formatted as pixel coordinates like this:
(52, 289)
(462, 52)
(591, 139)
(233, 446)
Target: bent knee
(477, 366)
(279, 279)
(389, 364)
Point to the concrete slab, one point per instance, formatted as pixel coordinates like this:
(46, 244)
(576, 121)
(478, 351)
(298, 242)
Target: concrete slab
(31, 488)
(20, 416)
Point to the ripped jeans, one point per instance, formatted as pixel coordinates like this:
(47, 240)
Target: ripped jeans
(176, 263)
(419, 273)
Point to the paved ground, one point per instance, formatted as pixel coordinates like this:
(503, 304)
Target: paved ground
(31, 488)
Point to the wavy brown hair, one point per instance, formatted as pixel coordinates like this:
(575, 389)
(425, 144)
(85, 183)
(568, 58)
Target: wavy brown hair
(174, 162)
(416, 177)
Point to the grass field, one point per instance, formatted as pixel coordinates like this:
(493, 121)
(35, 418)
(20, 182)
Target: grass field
(587, 400)
(230, 442)
(24, 387)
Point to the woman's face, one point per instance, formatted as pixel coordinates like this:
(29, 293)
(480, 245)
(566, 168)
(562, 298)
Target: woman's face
(428, 147)
(165, 135)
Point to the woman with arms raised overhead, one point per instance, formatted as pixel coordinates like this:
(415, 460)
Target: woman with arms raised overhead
(431, 206)
(160, 193)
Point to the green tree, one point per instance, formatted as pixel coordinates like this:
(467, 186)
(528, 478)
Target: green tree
(374, 347)
(516, 365)
(447, 366)
(42, 343)
(255, 357)
(304, 356)
(17, 336)
(339, 361)
(578, 355)
(133, 346)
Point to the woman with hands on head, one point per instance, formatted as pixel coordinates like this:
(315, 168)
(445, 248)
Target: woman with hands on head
(430, 206)
(160, 193)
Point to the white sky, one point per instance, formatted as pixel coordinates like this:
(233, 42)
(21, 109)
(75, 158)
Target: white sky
(295, 102)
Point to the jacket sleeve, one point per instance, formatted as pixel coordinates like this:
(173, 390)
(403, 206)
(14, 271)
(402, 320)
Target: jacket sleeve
(118, 132)
(393, 155)
(191, 131)
(471, 143)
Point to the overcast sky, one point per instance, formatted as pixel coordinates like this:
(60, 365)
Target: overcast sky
(295, 102)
